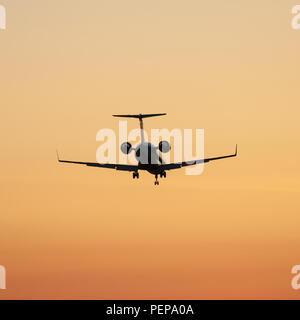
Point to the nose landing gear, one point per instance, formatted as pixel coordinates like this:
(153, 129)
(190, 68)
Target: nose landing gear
(162, 175)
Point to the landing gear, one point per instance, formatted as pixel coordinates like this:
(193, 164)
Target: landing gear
(135, 175)
(156, 182)
(163, 175)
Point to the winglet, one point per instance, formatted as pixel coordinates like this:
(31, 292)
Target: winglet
(236, 150)
(57, 156)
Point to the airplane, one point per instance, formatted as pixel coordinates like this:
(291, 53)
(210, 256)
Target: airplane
(147, 155)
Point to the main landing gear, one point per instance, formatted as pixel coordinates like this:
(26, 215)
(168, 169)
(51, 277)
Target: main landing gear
(162, 175)
(135, 175)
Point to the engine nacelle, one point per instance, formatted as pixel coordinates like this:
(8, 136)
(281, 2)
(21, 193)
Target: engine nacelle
(164, 147)
(126, 147)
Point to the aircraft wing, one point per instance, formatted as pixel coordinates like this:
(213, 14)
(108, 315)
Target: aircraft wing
(121, 167)
(172, 166)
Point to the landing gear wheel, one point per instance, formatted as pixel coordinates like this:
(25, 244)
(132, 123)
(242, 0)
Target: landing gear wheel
(135, 175)
(163, 175)
(156, 183)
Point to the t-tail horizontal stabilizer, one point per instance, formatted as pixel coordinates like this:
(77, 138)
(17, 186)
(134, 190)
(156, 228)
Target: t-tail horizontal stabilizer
(139, 116)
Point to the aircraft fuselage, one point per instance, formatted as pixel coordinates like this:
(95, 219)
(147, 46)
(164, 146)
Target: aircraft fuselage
(148, 158)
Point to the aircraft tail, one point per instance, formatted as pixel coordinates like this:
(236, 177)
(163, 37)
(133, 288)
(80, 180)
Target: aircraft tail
(139, 116)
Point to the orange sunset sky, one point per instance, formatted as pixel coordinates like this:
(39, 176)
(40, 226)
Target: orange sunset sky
(73, 232)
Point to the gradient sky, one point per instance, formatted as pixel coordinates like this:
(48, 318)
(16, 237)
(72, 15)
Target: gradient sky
(230, 67)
